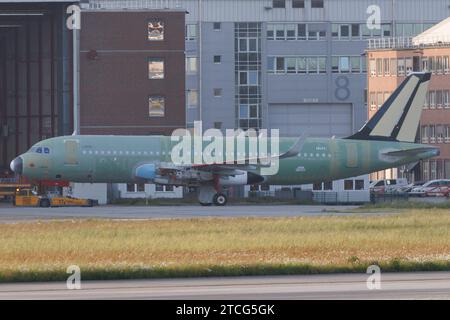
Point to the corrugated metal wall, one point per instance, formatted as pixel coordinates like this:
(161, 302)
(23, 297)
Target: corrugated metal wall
(261, 10)
(35, 83)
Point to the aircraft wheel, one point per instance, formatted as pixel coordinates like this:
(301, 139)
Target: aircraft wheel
(220, 199)
(44, 203)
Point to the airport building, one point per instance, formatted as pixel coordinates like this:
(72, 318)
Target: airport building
(390, 60)
(35, 75)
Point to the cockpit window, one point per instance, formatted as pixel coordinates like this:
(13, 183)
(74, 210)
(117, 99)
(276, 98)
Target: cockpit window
(44, 150)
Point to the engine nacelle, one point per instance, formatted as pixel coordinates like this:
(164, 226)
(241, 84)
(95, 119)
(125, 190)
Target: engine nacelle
(242, 178)
(146, 171)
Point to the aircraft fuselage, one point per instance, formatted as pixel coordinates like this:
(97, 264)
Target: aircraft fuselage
(114, 159)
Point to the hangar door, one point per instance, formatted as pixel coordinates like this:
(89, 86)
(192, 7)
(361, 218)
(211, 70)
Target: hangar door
(318, 120)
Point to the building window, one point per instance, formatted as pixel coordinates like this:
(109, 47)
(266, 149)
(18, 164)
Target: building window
(278, 3)
(298, 3)
(373, 102)
(431, 65)
(439, 99)
(301, 31)
(359, 184)
(322, 63)
(217, 26)
(401, 67)
(312, 65)
(424, 134)
(348, 184)
(344, 64)
(140, 187)
(280, 65)
(155, 30)
(270, 32)
(373, 67)
(432, 99)
(191, 32)
(355, 63)
(302, 65)
(379, 67)
(191, 65)
(317, 31)
(279, 32)
(425, 64)
(344, 32)
(393, 67)
(217, 92)
(380, 99)
(217, 59)
(130, 187)
(355, 30)
(159, 188)
(156, 68)
(290, 32)
(156, 106)
(192, 98)
(316, 3)
(408, 65)
(387, 70)
(445, 99)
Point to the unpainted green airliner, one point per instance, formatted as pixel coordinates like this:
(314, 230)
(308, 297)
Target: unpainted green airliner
(385, 141)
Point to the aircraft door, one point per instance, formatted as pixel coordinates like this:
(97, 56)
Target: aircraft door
(71, 152)
(352, 155)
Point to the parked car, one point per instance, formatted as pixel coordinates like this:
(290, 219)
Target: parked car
(387, 185)
(408, 188)
(433, 188)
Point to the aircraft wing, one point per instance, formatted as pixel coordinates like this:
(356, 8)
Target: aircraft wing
(237, 167)
(253, 163)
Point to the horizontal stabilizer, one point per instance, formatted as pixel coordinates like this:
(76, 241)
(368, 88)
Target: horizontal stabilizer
(411, 152)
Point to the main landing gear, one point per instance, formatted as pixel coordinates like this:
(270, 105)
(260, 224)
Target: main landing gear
(209, 194)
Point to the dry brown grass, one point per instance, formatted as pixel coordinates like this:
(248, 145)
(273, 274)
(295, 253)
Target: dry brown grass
(343, 243)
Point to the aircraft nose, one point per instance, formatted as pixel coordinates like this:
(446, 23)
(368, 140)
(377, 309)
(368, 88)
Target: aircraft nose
(17, 165)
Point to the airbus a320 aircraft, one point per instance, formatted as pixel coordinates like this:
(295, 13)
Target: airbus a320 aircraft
(385, 141)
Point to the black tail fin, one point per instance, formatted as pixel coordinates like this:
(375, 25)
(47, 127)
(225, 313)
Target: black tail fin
(398, 118)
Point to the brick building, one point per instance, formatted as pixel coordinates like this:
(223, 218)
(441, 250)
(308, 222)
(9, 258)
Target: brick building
(389, 61)
(132, 78)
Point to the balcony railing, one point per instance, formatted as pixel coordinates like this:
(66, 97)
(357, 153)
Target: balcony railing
(409, 42)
